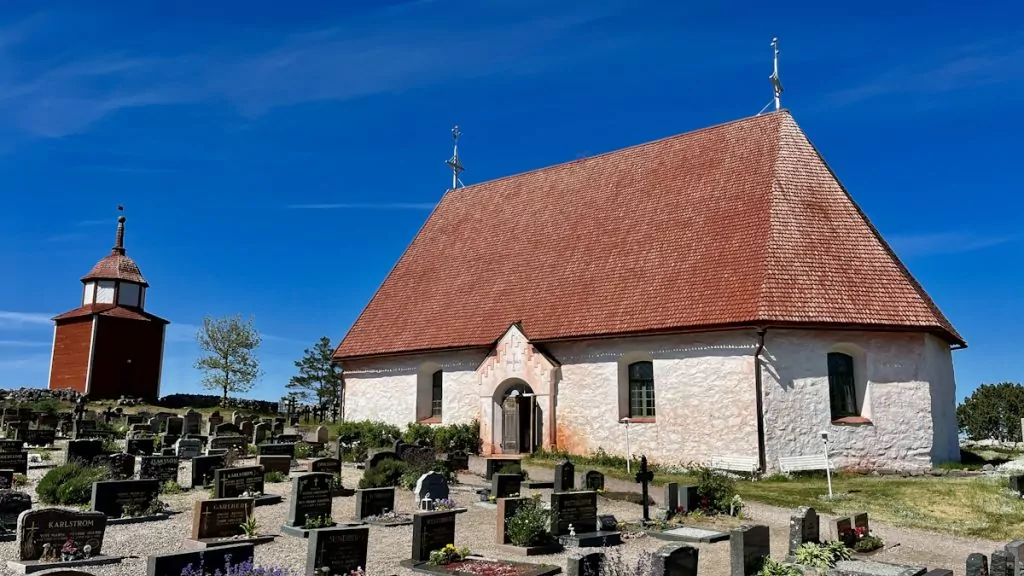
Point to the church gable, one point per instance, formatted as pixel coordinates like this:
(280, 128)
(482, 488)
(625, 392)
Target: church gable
(514, 357)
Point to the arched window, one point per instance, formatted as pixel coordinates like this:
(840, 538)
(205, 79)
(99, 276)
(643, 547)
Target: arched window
(436, 396)
(842, 385)
(641, 390)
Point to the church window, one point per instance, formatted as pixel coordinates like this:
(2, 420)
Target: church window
(436, 395)
(641, 390)
(842, 385)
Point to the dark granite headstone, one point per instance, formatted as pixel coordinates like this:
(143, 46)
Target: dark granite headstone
(311, 498)
(688, 499)
(374, 501)
(232, 482)
(506, 485)
(1014, 564)
(593, 480)
(175, 426)
(12, 504)
(120, 466)
(431, 484)
(203, 467)
(38, 436)
(748, 548)
(672, 498)
(112, 496)
(844, 528)
(282, 464)
(160, 468)
(220, 518)
(860, 522)
(6, 479)
(673, 560)
(212, 421)
(1000, 564)
(576, 508)
(227, 428)
(209, 558)
(246, 428)
(507, 508)
(565, 476)
(431, 531)
(54, 526)
(803, 527)
(977, 565)
(260, 433)
(168, 440)
(192, 422)
(139, 446)
(1016, 483)
(330, 465)
(85, 450)
(276, 450)
(580, 564)
(341, 550)
(188, 448)
(234, 441)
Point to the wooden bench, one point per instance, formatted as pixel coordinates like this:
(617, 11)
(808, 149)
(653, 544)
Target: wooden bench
(745, 464)
(799, 463)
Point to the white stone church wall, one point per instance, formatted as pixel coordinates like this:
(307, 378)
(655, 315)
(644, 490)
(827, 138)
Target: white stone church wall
(901, 373)
(946, 443)
(703, 389)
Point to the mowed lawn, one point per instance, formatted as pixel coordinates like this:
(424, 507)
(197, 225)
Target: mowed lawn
(979, 507)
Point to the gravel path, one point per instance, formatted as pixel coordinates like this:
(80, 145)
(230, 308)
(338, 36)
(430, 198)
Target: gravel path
(476, 529)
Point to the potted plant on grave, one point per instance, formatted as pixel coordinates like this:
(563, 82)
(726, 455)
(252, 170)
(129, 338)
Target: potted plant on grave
(861, 540)
(528, 527)
(448, 555)
(314, 522)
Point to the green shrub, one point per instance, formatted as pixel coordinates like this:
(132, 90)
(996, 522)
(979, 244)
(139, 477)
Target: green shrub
(275, 477)
(868, 544)
(20, 480)
(384, 475)
(170, 487)
(821, 556)
(714, 489)
(69, 484)
(773, 567)
(412, 474)
(251, 450)
(418, 433)
(368, 434)
(529, 525)
(110, 445)
(303, 451)
(458, 437)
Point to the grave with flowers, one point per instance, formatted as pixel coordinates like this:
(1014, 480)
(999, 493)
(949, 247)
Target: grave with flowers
(855, 532)
(57, 538)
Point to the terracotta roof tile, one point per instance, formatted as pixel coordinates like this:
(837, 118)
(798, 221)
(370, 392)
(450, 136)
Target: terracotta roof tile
(110, 310)
(116, 266)
(737, 224)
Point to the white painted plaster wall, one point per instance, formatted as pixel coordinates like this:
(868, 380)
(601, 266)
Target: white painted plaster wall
(946, 442)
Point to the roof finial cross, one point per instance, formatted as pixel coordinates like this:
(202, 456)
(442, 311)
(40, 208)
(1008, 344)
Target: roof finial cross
(454, 163)
(119, 240)
(776, 83)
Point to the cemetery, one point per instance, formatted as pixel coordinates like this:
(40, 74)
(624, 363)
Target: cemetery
(417, 511)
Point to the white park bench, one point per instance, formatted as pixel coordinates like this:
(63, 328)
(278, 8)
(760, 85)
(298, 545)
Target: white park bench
(799, 463)
(745, 464)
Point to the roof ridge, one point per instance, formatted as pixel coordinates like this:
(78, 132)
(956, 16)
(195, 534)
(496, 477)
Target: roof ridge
(721, 125)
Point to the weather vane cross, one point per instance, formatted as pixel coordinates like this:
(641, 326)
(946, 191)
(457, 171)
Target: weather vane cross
(776, 83)
(454, 163)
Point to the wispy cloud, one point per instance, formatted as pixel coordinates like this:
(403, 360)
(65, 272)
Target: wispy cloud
(386, 50)
(932, 243)
(23, 343)
(365, 206)
(9, 318)
(993, 62)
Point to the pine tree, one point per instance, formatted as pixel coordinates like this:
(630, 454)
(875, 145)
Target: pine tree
(318, 380)
(228, 362)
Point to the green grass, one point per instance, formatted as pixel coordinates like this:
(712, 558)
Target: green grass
(978, 507)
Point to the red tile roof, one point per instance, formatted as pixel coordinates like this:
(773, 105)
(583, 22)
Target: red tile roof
(116, 266)
(110, 310)
(735, 225)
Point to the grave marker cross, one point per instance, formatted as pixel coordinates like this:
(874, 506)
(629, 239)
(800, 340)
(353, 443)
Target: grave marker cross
(644, 477)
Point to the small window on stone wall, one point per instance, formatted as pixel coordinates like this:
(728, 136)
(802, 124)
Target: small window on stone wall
(842, 385)
(641, 390)
(436, 395)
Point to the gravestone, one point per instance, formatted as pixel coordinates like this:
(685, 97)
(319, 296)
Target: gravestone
(593, 480)
(155, 424)
(580, 564)
(843, 527)
(246, 428)
(860, 522)
(175, 426)
(236, 417)
(330, 465)
(281, 464)
(54, 526)
(673, 560)
(431, 531)
(374, 501)
(340, 550)
(168, 440)
(276, 450)
(82, 428)
(507, 508)
(376, 457)
(232, 482)
(6, 479)
(688, 499)
(804, 526)
(977, 565)
(288, 439)
(203, 467)
(85, 450)
(216, 451)
(139, 446)
(1000, 563)
(38, 436)
(432, 484)
(644, 478)
(231, 441)
(120, 466)
(1015, 550)
(1016, 483)
(565, 476)
(672, 498)
(112, 496)
(174, 563)
(220, 518)
(748, 548)
(212, 422)
(13, 457)
(159, 468)
(12, 504)
(322, 435)
(226, 428)
(576, 508)
(188, 448)
(260, 433)
(311, 498)
(506, 485)
(192, 422)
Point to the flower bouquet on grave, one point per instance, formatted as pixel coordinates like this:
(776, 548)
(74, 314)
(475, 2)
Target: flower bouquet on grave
(445, 504)
(447, 555)
(861, 540)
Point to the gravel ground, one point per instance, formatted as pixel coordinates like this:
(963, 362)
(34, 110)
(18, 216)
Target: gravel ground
(476, 529)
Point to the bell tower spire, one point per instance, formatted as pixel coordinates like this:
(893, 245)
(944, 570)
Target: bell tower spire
(119, 240)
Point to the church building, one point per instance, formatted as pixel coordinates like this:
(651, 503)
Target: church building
(718, 293)
(110, 346)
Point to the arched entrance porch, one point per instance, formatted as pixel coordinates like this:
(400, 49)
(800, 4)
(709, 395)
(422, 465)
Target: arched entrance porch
(517, 418)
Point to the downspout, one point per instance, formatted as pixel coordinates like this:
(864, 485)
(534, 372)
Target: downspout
(762, 458)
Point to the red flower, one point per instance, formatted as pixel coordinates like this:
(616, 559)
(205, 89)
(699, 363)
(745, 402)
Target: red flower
(703, 501)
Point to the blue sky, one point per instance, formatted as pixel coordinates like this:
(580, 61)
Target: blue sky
(276, 158)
